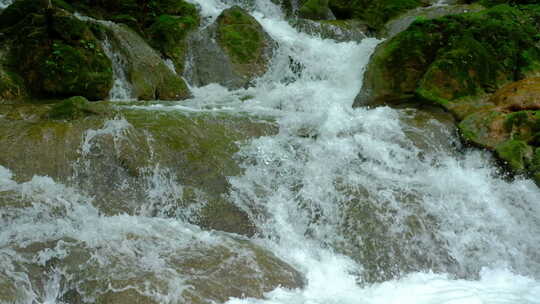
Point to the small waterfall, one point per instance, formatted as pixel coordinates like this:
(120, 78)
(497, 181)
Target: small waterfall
(122, 89)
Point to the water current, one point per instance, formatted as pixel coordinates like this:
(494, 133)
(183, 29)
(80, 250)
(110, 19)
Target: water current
(366, 205)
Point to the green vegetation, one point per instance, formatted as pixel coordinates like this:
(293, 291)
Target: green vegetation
(375, 13)
(56, 54)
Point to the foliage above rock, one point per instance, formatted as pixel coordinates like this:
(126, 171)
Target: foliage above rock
(448, 59)
(375, 13)
(56, 54)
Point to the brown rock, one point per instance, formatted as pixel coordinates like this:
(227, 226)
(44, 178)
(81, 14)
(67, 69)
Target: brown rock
(519, 96)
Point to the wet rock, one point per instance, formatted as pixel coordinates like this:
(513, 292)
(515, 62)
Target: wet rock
(443, 61)
(338, 30)
(146, 71)
(232, 52)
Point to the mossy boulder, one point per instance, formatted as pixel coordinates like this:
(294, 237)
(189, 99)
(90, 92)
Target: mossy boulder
(516, 153)
(56, 54)
(146, 71)
(452, 59)
(232, 52)
(315, 10)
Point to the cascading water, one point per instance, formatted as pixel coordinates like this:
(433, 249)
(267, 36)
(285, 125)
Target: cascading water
(122, 89)
(366, 205)
(5, 3)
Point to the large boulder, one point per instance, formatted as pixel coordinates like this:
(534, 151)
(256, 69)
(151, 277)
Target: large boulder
(451, 60)
(56, 54)
(232, 52)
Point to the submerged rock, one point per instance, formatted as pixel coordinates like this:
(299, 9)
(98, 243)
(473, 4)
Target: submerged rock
(450, 60)
(232, 52)
(177, 263)
(83, 143)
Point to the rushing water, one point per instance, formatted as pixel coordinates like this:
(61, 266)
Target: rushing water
(442, 224)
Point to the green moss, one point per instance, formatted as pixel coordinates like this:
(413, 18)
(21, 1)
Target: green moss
(241, 35)
(516, 153)
(314, 9)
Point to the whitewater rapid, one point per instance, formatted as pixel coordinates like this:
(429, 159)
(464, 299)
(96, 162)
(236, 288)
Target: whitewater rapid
(480, 232)
(489, 226)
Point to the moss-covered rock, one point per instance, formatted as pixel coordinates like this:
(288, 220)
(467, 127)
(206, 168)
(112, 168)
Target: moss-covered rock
(71, 108)
(232, 52)
(450, 59)
(516, 153)
(510, 127)
(56, 54)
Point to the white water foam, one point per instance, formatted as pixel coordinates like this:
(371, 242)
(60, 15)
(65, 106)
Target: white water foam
(488, 226)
